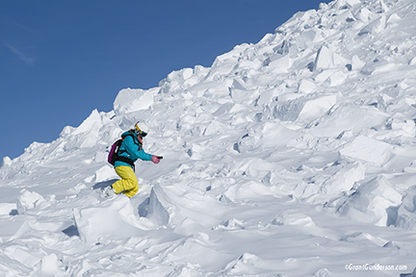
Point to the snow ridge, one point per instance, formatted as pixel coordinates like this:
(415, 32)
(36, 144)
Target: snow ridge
(294, 156)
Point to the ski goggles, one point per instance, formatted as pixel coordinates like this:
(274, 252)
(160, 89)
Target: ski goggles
(141, 133)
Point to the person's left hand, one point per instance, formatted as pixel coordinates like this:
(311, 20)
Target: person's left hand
(155, 159)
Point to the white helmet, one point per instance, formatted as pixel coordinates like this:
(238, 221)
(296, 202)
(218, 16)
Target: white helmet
(141, 128)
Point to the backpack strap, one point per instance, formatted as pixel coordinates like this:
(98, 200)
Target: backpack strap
(135, 140)
(125, 159)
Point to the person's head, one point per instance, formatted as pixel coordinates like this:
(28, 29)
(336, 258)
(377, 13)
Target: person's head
(141, 129)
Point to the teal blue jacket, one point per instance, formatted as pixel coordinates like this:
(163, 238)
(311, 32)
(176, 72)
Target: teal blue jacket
(132, 149)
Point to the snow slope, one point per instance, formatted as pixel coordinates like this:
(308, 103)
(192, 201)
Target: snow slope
(294, 156)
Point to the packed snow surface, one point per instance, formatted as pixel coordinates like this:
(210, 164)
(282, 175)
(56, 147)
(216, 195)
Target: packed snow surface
(295, 156)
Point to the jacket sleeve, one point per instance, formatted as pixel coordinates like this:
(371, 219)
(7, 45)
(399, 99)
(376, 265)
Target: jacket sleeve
(133, 150)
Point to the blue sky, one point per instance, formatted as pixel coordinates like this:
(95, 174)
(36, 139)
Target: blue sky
(59, 60)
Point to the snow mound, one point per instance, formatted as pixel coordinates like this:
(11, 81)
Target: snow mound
(371, 201)
(131, 100)
(108, 220)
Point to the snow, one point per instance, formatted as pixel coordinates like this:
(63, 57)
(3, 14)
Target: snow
(295, 156)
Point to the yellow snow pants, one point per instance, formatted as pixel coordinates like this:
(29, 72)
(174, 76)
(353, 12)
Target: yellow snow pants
(129, 185)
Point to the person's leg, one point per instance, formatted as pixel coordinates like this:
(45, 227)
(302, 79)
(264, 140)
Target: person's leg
(128, 184)
(132, 192)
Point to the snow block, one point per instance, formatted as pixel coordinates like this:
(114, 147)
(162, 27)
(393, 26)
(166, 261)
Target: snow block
(306, 86)
(344, 179)
(131, 100)
(243, 96)
(266, 96)
(281, 65)
(28, 200)
(113, 219)
(368, 149)
(223, 109)
(271, 131)
(105, 173)
(305, 39)
(406, 214)
(317, 107)
(357, 63)
(374, 27)
(340, 4)
(303, 108)
(6, 161)
(364, 15)
(372, 202)
(187, 73)
(7, 208)
(153, 209)
(331, 77)
(324, 58)
(22, 254)
(349, 118)
(243, 265)
(296, 219)
(182, 79)
(214, 127)
(48, 267)
(289, 110)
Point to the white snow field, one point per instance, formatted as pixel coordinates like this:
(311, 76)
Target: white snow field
(295, 156)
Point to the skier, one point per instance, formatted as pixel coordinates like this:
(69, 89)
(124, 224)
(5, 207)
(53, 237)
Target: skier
(131, 149)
